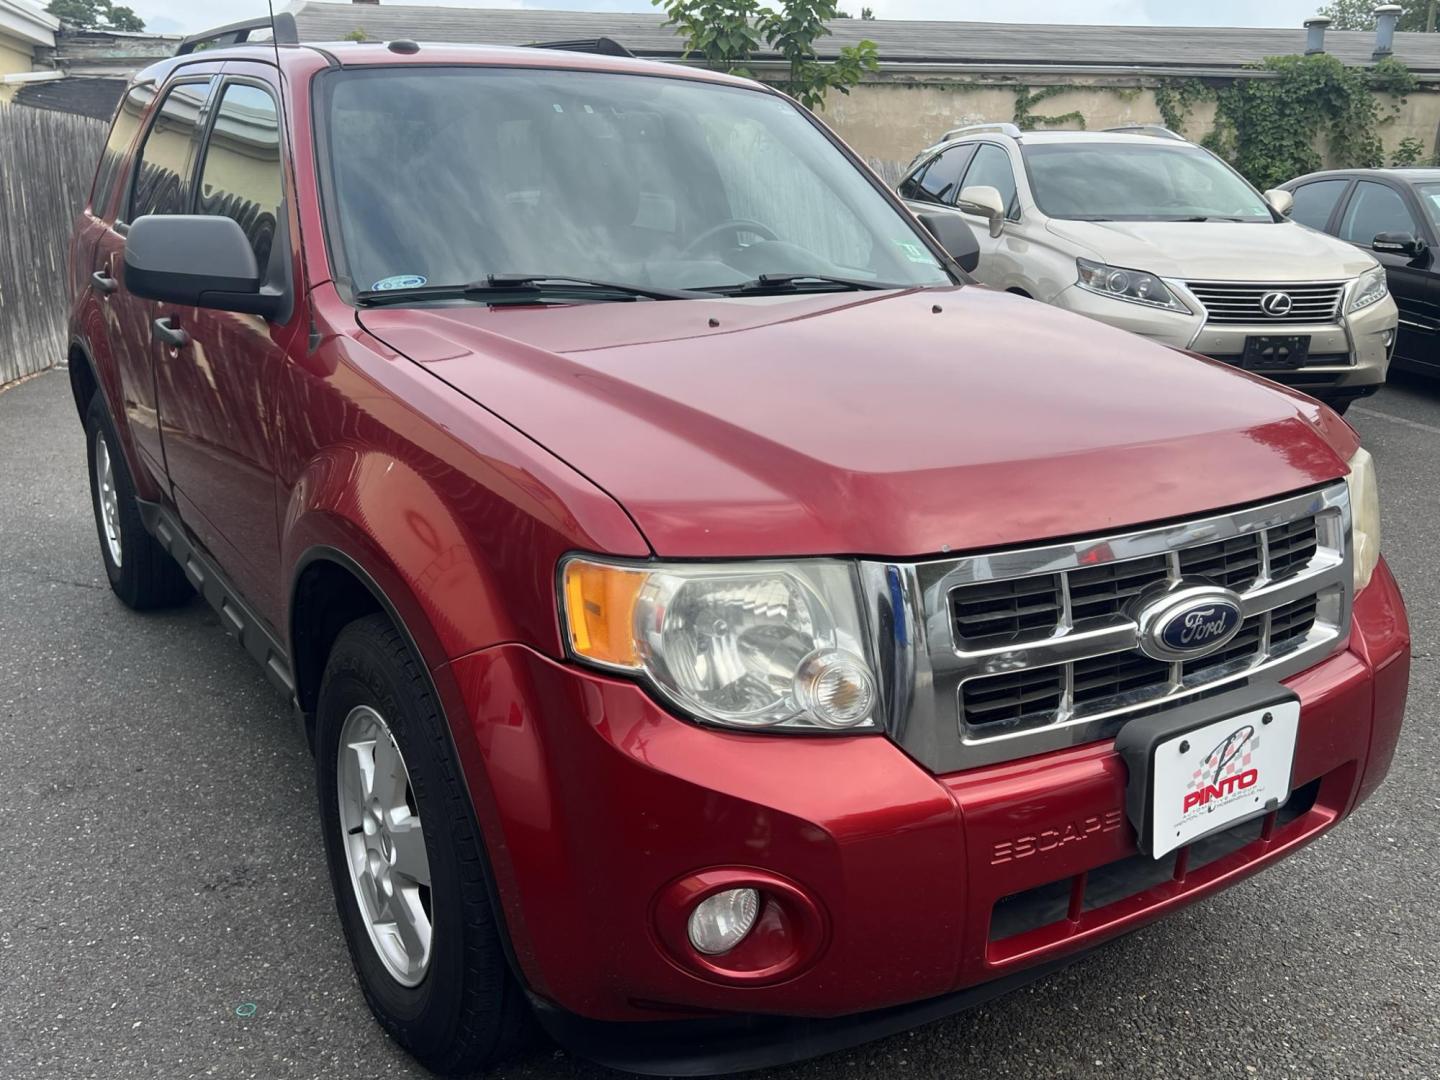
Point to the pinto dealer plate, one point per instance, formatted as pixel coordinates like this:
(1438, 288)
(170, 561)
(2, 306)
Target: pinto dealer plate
(1215, 776)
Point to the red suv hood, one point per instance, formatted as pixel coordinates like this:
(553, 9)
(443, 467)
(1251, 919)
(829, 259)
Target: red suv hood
(898, 424)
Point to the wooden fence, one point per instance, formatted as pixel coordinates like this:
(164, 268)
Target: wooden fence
(47, 160)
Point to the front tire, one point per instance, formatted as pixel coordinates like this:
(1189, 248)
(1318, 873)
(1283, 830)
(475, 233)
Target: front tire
(141, 572)
(406, 860)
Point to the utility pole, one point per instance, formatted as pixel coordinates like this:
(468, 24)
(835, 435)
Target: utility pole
(1430, 16)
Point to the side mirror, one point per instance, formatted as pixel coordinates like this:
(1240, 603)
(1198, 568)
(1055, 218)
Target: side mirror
(955, 237)
(1400, 243)
(198, 260)
(985, 202)
(1282, 202)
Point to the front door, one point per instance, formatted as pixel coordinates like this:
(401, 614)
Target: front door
(217, 388)
(1376, 208)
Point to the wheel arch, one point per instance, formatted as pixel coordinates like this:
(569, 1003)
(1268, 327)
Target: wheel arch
(330, 589)
(333, 581)
(83, 382)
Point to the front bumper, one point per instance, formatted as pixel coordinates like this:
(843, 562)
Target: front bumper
(594, 800)
(1350, 357)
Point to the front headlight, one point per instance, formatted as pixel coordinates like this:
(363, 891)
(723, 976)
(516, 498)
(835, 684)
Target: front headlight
(1120, 284)
(746, 645)
(1364, 516)
(1370, 289)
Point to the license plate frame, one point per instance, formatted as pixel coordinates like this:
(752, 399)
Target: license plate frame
(1173, 799)
(1276, 352)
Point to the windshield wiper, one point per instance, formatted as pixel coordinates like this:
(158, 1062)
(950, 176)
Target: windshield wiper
(523, 289)
(781, 283)
(1211, 217)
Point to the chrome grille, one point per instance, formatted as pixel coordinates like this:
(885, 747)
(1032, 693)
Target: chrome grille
(1231, 302)
(993, 657)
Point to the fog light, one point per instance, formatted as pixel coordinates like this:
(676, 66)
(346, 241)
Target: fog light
(836, 688)
(721, 922)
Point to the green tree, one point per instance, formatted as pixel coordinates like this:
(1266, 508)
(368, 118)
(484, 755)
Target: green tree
(728, 34)
(96, 15)
(1360, 14)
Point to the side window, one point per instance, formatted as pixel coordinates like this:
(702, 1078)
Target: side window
(240, 174)
(940, 180)
(991, 168)
(162, 178)
(117, 146)
(1314, 203)
(1373, 209)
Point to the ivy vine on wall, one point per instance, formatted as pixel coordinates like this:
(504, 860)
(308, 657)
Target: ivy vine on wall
(1270, 129)
(1176, 98)
(1025, 100)
(1308, 111)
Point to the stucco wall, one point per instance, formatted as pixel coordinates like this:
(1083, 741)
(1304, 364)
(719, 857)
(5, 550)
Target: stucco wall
(15, 55)
(892, 119)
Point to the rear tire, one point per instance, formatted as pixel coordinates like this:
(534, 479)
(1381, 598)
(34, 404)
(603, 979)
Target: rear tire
(439, 984)
(141, 572)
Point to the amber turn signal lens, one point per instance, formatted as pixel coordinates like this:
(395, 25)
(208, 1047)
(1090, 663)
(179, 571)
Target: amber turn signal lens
(600, 611)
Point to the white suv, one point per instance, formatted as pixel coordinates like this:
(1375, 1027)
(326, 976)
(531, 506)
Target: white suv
(1156, 235)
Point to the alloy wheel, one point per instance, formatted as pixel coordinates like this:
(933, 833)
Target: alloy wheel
(384, 845)
(107, 498)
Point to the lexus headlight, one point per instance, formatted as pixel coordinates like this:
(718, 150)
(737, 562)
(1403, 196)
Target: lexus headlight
(1364, 516)
(1370, 289)
(1134, 285)
(746, 645)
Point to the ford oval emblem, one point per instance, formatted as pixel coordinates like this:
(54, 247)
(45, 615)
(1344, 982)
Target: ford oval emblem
(1189, 622)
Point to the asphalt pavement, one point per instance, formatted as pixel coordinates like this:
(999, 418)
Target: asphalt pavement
(165, 910)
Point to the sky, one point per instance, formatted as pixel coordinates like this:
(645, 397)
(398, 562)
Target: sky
(188, 16)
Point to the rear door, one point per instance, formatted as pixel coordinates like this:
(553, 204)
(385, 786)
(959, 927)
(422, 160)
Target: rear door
(217, 393)
(155, 181)
(1374, 207)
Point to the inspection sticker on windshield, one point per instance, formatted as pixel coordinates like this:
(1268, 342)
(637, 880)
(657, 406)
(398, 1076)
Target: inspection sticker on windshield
(399, 281)
(1222, 773)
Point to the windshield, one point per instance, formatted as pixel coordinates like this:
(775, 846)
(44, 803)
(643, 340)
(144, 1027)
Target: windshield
(447, 176)
(1114, 181)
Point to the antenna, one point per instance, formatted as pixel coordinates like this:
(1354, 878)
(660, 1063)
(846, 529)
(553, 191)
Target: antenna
(274, 39)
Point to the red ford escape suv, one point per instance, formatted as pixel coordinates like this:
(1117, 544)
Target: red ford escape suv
(723, 632)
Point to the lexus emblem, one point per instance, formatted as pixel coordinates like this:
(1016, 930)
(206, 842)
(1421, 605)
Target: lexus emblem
(1276, 304)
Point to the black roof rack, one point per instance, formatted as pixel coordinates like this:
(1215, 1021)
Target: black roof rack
(284, 33)
(603, 45)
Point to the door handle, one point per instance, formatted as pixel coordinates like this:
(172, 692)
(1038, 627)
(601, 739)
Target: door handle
(171, 335)
(103, 282)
